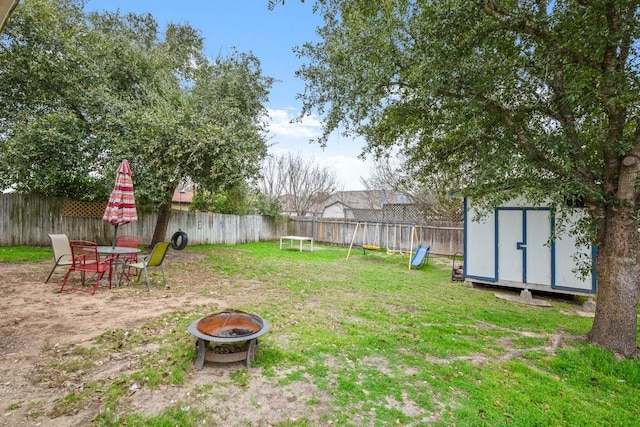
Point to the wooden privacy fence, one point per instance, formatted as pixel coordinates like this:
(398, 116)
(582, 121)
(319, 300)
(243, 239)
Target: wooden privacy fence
(445, 238)
(26, 220)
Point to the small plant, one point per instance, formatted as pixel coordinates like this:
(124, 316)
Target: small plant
(70, 404)
(14, 406)
(240, 377)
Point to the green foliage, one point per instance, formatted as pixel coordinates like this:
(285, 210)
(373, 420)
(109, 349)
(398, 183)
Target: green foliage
(268, 206)
(51, 96)
(202, 201)
(480, 97)
(238, 199)
(81, 92)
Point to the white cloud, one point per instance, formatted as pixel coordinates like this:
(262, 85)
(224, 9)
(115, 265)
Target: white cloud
(281, 124)
(340, 155)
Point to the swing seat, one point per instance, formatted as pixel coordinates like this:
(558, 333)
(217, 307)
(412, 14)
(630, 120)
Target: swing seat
(369, 247)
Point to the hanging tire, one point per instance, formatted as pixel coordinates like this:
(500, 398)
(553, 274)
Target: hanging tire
(182, 238)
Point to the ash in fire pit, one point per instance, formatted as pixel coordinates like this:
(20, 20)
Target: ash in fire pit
(229, 324)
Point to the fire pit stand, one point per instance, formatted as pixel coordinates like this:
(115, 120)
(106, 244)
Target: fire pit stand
(230, 335)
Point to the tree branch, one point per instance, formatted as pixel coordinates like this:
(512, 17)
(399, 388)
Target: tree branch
(525, 26)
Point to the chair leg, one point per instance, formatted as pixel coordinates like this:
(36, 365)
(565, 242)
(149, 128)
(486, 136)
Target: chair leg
(164, 276)
(64, 282)
(95, 287)
(50, 273)
(146, 275)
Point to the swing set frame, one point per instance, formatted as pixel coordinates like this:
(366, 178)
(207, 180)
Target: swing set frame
(362, 227)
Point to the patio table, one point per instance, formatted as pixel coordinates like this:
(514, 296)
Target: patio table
(116, 251)
(300, 239)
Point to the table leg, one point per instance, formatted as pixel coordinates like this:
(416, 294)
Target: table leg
(124, 268)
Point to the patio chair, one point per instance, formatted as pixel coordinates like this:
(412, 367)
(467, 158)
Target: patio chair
(61, 252)
(85, 259)
(128, 241)
(154, 259)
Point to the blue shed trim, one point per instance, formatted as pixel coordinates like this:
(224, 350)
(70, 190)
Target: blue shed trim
(522, 246)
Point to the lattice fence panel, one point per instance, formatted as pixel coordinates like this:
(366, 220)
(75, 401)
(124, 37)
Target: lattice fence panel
(437, 215)
(367, 214)
(81, 209)
(401, 213)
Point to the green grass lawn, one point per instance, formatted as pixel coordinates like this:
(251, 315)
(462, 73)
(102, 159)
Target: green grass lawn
(394, 346)
(15, 254)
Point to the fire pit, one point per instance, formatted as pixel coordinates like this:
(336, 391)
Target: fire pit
(234, 332)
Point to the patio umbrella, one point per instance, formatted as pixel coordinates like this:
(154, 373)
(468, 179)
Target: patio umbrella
(121, 208)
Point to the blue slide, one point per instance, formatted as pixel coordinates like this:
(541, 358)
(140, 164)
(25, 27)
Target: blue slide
(422, 253)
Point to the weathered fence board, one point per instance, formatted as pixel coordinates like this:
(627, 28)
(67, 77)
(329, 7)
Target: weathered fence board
(27, 220)
(445, 238)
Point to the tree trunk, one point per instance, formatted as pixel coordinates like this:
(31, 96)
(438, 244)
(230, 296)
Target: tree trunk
(164, 214)
(615, 323)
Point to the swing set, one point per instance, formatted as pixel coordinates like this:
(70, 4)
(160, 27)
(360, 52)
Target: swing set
(371, 241)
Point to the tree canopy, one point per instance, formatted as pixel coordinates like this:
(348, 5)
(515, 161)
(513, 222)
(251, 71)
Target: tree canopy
(83, 91)
(497, 99)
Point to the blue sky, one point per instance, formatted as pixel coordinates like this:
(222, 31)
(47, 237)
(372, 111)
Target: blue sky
(249, 26)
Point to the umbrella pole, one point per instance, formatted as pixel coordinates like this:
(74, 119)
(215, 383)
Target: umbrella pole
(115, 234)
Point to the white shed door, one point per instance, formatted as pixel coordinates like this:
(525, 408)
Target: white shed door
(538, 252)
(523, 253)
(510, 233)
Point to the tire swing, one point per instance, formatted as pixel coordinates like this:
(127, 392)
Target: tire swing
(179, 240)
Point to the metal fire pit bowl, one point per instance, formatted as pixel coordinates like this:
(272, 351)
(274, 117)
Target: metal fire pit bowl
(227, 327)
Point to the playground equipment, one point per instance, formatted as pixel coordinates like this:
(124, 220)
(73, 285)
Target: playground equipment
(421, 256)
(400, 230)
(395, 237)
(362, 225)
(376, 239)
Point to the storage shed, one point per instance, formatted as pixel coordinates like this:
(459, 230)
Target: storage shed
(511, 247)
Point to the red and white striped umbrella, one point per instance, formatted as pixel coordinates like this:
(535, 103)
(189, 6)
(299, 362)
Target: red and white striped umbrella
(121, 208)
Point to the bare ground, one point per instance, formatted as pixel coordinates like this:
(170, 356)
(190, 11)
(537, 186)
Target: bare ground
(37, 323)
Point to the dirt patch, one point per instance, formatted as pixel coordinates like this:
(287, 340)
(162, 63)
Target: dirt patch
(37, 323)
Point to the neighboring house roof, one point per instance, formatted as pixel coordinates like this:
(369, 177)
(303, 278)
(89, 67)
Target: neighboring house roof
(370, 199)
(286, 201)
(182, 196)
(6, 8)
(360, 204)
(363, 205)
